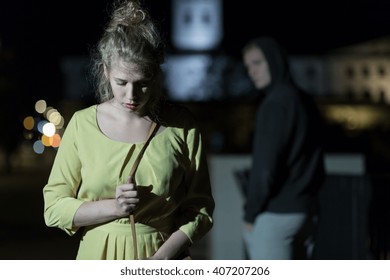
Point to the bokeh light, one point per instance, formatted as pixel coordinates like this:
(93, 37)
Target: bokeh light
(40, 125)
(28, 134)
(44, 130)
(56, 140)
(38, 147)
(47, 112)
(49, 129)
(40, 106)
(61, 123)
(28, 123)
(55, 118)
(45, 141)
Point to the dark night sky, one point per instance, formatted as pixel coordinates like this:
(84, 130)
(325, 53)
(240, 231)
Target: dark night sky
(39, 33)
(51, 28)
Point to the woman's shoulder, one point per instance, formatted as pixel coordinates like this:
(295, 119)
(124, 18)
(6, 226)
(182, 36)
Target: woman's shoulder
(88, 111)
(84, 115)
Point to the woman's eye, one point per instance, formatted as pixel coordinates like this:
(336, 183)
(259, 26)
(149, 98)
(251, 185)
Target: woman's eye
(144, 88)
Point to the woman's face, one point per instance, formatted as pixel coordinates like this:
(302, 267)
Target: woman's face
(129, 85)
(257, 67)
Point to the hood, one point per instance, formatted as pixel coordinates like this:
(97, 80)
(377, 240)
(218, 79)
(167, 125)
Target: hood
(277, 60)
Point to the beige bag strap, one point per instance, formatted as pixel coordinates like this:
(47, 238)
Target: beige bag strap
(152, 132)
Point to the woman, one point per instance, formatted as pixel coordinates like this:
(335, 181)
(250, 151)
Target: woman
(169, 195)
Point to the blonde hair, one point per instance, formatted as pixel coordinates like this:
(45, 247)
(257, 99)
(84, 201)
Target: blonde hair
(130, 35)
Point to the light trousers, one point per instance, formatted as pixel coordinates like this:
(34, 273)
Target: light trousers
(279, 236)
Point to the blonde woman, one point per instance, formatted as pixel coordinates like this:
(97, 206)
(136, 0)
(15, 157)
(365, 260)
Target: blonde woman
(89, 187)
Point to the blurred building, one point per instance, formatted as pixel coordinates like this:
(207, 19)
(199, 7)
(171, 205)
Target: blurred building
(196, 69)
(356, 73)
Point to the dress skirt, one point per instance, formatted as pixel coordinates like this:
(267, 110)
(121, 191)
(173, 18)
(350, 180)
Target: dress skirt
(114, 241)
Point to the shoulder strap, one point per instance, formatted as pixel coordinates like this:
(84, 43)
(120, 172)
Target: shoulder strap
(152, 131)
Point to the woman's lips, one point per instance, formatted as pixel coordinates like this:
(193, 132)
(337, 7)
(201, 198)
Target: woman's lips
(131, 106)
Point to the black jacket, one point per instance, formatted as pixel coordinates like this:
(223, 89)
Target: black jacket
(287, 165)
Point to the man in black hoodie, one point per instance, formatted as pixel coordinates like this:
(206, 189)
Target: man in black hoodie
(287, 165)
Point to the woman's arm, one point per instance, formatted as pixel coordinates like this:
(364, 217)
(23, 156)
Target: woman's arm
(95, 212)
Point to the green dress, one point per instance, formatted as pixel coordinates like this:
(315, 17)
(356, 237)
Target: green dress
(172, 178)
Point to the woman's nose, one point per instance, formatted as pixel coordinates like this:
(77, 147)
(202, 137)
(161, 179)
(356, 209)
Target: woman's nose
(129, 91)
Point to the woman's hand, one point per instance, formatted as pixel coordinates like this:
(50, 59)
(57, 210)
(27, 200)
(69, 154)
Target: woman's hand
(172, 247)
(100, 211)
(126, 197)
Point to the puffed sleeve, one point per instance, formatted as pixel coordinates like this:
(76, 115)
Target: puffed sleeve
(60, 203)
(198, 205)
